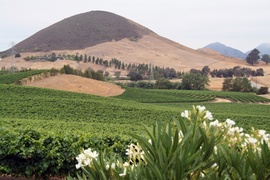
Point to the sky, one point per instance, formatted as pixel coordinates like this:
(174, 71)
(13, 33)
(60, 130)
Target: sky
(241, 24)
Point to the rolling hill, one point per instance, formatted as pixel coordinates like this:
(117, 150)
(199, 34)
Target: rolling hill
(81, 31)
(107, 35)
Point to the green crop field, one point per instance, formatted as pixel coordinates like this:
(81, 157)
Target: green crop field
(65, 111)
(6, 78)
(35, 122)
(172, 96)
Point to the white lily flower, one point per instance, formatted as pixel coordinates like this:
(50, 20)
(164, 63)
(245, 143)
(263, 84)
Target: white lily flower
(200, 108)
(252, 140)
(208, 115)
(214, 123)
(185, 114)
(230, 122)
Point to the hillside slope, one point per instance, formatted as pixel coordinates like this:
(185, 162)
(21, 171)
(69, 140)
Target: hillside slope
(106, 35)
(225, 50)
(78, 84)
(81, 31)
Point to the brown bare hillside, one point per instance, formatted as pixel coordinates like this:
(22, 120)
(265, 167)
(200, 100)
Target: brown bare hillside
(81, 31)
(79, 84)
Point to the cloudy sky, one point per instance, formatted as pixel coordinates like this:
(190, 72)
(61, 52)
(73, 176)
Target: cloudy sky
(241, 24)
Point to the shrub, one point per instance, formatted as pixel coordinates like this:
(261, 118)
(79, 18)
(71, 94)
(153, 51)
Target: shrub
(263, 90)
(17, 55)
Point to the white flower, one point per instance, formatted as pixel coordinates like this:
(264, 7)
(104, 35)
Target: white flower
(113, 165)
(230, 122)
(215, 123)
(252, 140)
(262, 132)
(88, 152)
(208, 115)
(200, 108)
(124, 173)
(107, 166)
(184, 114)
(231, 131)
(150, 141)
(86, 158)
(126, 164)
(214, 165)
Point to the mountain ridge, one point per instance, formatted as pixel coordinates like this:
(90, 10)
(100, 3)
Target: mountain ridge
(226, 50)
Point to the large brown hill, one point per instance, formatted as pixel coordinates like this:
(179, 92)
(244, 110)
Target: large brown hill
(106, 35)
(81, 31)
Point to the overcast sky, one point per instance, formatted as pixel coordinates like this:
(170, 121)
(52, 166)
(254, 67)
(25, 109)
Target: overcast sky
(241, 24)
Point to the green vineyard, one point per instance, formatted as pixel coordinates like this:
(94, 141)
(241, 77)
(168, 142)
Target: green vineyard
(66, 118)
(170, 96)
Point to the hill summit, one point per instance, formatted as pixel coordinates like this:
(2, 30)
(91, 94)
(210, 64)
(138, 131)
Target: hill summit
(82, 31)
(226, 50)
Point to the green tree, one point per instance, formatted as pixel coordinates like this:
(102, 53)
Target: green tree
(205, 71)
(266, 58)
(194, 81)
(253, 57)
(81, 57)
(227, 84)
(163, 83)
(53, 57)
(239, 84)
(67, 70)
(134, 75)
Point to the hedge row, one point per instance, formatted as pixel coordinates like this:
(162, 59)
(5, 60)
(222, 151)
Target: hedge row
(43, 154)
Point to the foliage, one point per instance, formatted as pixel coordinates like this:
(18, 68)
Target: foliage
(194, 147)
(263, 90)
(266, 58)
(237, 71)
(163, 83)
(237, 84)
(88, 73)
(194, 81)
(17, 55)
(134, 75)
(205, 70)
(253, 57)
(27, 152)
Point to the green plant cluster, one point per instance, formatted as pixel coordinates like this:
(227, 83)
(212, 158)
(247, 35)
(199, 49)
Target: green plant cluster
(16, 77)
(31, 153)
(193, 147)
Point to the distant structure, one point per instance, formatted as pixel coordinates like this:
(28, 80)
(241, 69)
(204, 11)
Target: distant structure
(12, 53)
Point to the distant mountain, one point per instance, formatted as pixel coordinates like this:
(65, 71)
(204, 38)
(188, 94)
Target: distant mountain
(263, 48)
(225, 50)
